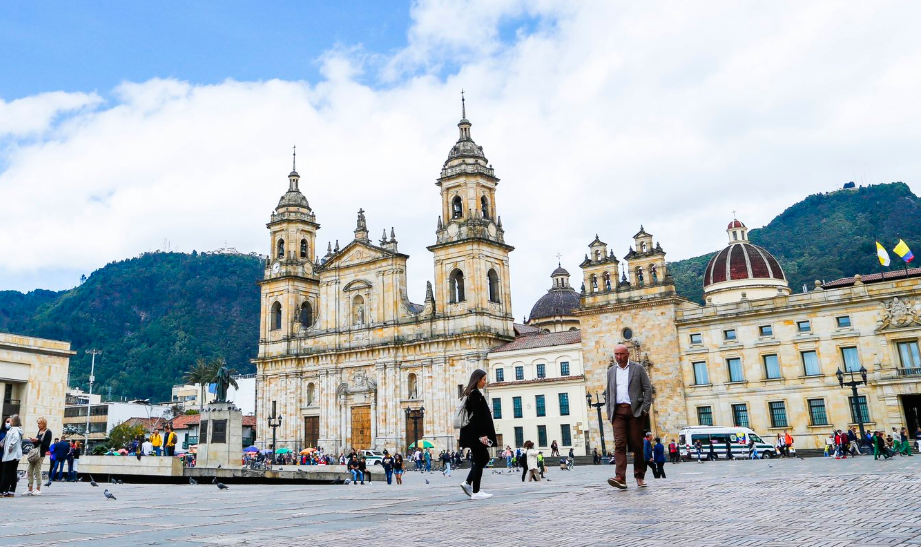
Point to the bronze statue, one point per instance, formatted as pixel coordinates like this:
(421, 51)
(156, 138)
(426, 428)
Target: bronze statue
(222, 381)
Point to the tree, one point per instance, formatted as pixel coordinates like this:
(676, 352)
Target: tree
(201, 373)
(122, 434)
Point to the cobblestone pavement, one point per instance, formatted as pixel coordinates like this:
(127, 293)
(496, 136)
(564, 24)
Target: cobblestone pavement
(743, 503)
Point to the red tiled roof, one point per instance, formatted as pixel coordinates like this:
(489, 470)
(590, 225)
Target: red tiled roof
(873, 278)
(185, 421)
(541, 340)
(249, 421)
(537, 381)
(521, 329)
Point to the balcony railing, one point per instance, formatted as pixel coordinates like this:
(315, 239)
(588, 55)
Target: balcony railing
(910, 371)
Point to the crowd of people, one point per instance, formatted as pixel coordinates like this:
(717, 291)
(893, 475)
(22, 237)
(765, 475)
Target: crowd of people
(849, 442)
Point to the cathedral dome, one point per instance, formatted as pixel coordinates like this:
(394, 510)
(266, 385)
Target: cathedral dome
(556, 303)
(555, 310)
(742, 270)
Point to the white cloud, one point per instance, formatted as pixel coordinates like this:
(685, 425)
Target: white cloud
(596, 116)
(32, 116)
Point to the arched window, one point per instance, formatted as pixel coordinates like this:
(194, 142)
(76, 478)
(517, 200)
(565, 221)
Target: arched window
(597, 255)
(311, 394)
(484, 206)
(456, 285)
(639, 275)
(606, 277)
(358, 310)
(594, 282)
(275, 323)
(644, 246)
(412, 390)
(457, 208)
(303, 248)
(306, 315)
(281, 248)
(493, 285)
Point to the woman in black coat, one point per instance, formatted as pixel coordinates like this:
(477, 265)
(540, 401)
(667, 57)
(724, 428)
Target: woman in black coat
(478, 435)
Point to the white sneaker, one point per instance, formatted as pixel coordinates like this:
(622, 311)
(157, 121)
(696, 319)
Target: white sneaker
(467, 489)
(37, 493)
(480, 496)
(484, 494)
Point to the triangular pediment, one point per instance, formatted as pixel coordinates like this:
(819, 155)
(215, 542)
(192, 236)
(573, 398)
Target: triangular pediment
(357, 252)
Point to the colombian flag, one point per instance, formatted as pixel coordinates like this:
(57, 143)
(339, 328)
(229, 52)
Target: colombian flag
(882, 254)
(903, 251)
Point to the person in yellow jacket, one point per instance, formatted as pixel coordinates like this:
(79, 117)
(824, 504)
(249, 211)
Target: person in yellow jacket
(157, 441)
(170, 442)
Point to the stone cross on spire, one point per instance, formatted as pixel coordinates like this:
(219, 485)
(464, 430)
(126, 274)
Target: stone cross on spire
(294, 159)
(463, 106)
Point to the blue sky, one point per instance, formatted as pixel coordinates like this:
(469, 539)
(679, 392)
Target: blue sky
(174, 123)
(93, 46)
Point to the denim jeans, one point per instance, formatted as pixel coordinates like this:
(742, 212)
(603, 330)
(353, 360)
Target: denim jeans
(58, 469)
(389, 475)
(157, 450)
(357, 475)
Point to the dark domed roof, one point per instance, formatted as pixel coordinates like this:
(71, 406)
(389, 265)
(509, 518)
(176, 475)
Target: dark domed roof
(557, 302)
(559, 271)
(742, 261)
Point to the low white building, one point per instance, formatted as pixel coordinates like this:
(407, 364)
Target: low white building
(537, 392)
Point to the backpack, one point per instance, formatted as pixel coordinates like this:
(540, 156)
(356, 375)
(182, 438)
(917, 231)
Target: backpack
(461, 414)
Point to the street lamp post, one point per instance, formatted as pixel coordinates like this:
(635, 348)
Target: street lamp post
(89, 400)
(598, 405)
(415, 416)
(853, 383)
(274, 423)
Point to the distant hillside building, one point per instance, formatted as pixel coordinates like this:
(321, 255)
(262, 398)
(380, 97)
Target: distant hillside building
(343, 353)
(33, 379)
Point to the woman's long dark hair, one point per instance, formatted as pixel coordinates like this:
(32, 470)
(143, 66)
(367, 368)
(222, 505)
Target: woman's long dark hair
(474, 380)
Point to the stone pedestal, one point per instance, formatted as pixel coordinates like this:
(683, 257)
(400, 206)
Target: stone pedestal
(220, 436)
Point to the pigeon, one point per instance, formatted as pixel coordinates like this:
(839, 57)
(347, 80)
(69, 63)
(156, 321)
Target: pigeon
(218, 466)
(281, 468)
(426, 481)
(113, 481)
(192, 481)
(108, 495)
(222, 486)
(93, 481)
(119, 481)
(48, 483)
(339, 481)
(347, 481)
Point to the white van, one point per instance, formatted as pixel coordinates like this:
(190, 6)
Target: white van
(738, 438)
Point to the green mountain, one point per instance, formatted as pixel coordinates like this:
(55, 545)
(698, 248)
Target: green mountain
(827, 236)
(151, 316)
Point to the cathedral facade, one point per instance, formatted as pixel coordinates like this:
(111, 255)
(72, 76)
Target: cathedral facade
(344, 357)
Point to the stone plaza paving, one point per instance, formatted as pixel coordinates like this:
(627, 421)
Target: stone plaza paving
(818, 501)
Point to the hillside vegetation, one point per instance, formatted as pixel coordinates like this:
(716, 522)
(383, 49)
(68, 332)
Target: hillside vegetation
(151, 316)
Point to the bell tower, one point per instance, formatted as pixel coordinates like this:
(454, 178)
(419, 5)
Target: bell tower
(290, 287)
(471, 256)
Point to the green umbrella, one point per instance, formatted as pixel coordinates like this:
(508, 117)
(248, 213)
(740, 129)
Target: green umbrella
(423, 444)
(283, 451)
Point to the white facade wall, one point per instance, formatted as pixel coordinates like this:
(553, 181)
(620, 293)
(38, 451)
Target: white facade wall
(530, 387)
